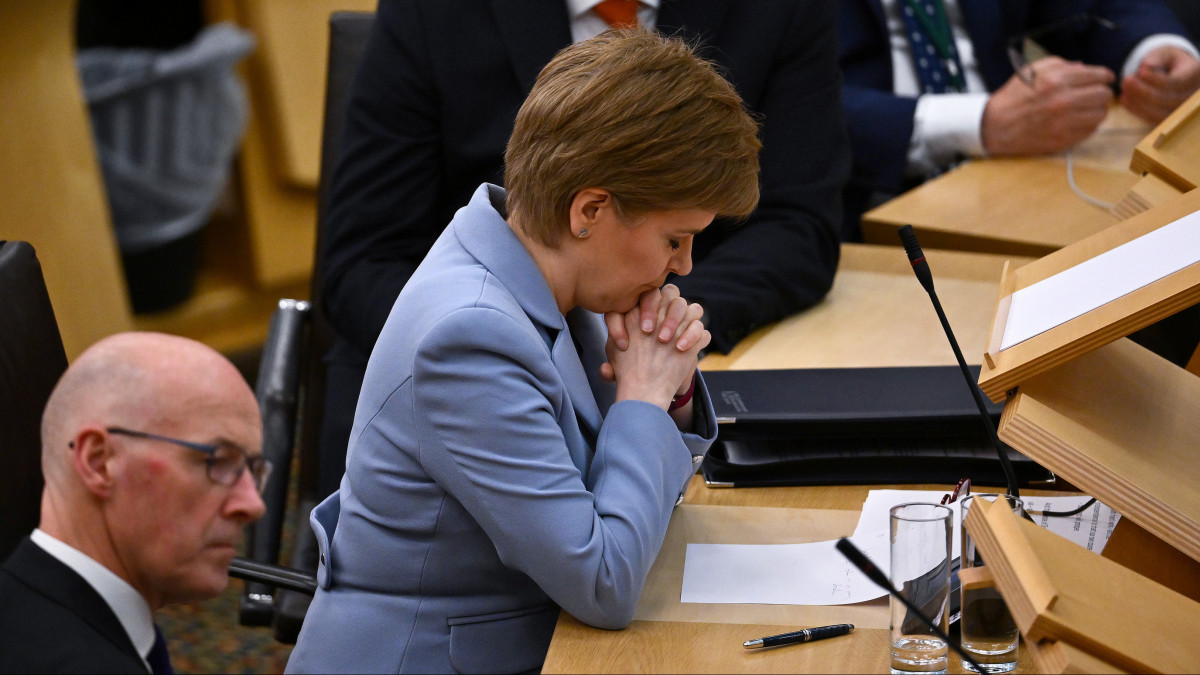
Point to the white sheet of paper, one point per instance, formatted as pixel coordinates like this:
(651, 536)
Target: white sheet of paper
(780, 574)
(818, 574)
(1097, 281)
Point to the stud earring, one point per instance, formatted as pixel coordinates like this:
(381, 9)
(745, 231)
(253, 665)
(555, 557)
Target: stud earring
(582, 233)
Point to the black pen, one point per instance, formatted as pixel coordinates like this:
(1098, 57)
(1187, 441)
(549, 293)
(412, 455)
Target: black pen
(806, 635)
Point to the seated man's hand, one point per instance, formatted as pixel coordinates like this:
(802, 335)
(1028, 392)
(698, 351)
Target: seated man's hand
(1164, 79)
(1066, 103)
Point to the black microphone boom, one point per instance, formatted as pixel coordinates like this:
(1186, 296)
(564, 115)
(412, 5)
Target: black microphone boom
(863, 563)
(921, 268)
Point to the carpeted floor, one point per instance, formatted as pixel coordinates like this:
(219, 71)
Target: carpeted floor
(206, 638)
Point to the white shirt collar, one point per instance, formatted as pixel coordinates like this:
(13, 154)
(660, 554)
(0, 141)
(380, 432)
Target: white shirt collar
(130, 607)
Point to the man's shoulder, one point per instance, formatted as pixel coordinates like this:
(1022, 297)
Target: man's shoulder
(41, 635)
(44, 634)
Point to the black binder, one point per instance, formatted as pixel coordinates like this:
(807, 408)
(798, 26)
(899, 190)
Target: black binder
(853, 426)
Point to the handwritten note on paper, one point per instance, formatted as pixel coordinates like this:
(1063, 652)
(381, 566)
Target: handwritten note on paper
(780, 574)
(1095, 282)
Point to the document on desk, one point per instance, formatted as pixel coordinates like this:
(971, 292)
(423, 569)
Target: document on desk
(1097, 281)
(781, 574)
(1090, 528)
(816, 573)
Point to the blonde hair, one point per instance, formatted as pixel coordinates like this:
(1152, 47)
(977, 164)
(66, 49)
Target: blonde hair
(640, 115)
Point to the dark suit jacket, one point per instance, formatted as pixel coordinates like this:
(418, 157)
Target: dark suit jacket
(432, 109)
(881, 123)
(52, 621)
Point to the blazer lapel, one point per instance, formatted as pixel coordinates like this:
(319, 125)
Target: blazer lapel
(47, 575)
(532, 31)
(482, 232)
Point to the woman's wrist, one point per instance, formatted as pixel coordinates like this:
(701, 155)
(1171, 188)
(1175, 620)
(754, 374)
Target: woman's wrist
(683, 399)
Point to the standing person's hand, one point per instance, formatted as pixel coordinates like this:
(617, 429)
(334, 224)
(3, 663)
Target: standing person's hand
(1064, 105)
(1164, 79)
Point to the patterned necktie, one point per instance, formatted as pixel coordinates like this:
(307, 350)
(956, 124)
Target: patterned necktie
(932, 44)
(618, 13)
(159, 660)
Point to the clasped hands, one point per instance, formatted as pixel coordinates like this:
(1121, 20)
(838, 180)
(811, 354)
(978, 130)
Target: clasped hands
(653, 349)
(1068, 100)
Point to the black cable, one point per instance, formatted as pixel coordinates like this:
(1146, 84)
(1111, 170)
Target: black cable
(1065, 514)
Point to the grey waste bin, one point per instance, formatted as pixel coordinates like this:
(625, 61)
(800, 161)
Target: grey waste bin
(166, 126)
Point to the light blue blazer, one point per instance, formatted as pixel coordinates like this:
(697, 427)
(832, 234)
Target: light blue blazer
(490, 478)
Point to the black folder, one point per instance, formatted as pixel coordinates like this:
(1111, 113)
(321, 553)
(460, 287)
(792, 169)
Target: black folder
(853, 426)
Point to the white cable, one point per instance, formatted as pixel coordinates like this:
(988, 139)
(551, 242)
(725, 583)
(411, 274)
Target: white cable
(1075, 188)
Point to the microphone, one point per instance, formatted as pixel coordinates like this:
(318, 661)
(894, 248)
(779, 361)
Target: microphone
(921, 268)
(863, 563)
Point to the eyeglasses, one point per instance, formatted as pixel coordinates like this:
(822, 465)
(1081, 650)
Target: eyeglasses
(225, 462)
(1074, 23)
(960, 491)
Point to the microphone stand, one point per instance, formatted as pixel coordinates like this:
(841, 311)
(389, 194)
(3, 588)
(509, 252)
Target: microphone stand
(921, 268)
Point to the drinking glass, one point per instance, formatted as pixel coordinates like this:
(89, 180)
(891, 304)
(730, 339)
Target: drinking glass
(920, 570)
(988, 631)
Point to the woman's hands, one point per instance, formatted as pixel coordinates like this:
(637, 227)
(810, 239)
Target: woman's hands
(653, 348)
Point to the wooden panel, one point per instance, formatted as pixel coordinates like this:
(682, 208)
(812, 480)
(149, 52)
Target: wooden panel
(1120, 423)
(1148, 192)
(1005, 369)
(1171, 150)
(278, 167)
(1057, 590)
(50, 180)
(288, 70)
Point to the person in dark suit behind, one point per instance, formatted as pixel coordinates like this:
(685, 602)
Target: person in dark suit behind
(433, 105)
(532, 411)
(151, 456)
(961, 96)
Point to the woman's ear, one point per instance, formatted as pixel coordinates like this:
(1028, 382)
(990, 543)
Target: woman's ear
(590, 208)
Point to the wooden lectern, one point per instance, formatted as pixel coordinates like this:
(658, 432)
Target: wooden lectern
(1079, 612)
(1166, 161)
(1116, 421)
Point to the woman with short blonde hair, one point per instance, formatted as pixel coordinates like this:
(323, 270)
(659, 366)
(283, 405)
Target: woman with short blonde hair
(532, 411)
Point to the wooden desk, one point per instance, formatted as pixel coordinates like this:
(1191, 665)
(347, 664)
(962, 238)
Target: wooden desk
(877, 314)
(699, 647)
(1019, 205)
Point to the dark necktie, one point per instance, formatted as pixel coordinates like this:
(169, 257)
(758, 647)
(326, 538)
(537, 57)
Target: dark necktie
(159, 660)
(932, 44)
(618, 13)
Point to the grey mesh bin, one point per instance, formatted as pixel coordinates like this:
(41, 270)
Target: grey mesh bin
(166, 126)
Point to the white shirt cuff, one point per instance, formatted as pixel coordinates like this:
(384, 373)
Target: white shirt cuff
(1151, 43)
(944, 127)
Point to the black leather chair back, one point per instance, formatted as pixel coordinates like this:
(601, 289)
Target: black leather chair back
(291, 387)
(31, 361)
(348, 33)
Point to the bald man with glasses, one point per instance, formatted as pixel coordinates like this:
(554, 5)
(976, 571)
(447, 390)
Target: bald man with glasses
(151, 451)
